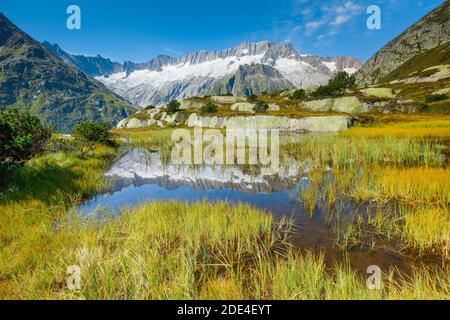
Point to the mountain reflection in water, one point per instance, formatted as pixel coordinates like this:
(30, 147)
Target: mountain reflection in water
(140, 176)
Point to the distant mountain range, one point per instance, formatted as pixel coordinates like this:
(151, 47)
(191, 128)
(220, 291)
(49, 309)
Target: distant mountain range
(249, 68)
(32, 78)
(423, 45)
(63, 88)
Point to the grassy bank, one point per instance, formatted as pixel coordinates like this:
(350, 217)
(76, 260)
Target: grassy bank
(199, 251)
(215, 251)
(399, 167)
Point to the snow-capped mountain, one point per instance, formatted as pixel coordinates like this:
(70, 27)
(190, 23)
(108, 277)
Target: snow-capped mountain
(165, 78)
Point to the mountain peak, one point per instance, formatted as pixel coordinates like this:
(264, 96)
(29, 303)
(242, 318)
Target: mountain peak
(409, 44)
(36, 79)
(165, 78)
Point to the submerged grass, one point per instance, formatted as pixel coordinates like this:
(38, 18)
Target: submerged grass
(180, 251)
(402, 131)
(361, 151)
(373, 165)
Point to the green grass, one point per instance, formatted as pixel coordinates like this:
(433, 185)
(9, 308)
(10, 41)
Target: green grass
(180, 251)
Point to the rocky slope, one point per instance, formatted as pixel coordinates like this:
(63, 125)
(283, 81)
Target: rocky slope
(429, 33)
(92, 66)
(251, 79)
(31, 78)
(165, 78)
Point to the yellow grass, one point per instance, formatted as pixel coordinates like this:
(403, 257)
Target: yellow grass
(412, 185)
(428, 229)
(213, 251)
(411, 132)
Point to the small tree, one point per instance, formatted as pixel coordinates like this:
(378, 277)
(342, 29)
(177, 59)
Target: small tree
(261, 107)
(209, 108)
(337, 85)
(173, 107)
(436, 97)
(94, 132)
(299, 94)
(22, 136)
(87, 133)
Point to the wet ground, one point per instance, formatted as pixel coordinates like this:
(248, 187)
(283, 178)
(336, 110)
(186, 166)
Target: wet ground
(140, 176)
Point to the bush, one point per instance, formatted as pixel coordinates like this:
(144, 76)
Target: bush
(337, 85)
(436, 97)
(423, 106)
(22, 136)
(58, 143)
(261, 107)
(173, 107)
(150, 107)
(299, 94)
(252, 98)
(209, 108)
(94, 132)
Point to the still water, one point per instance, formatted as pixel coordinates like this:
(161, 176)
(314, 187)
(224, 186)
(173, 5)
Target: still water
(140, 176)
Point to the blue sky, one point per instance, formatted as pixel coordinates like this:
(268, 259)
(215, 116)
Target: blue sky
(138, 30)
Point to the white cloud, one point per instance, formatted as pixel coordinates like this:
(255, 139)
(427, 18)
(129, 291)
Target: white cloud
(345, 13)
(312, 25)
(340, 20)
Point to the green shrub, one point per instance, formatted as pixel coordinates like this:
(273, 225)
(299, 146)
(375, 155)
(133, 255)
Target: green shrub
(209, 108)
(94, 132)
(261, 107)
(58, 143)
(337, 86)
(436, 97)
(299, 94)
(423, 106)
(150, 107)
(252, 98)
(22, 136)
(173, 107)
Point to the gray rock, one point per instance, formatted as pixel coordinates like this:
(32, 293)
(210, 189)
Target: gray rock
(174, 119)
(122, 124)
(134, 123)
(189, 104)
(243, 107)
(442, 91)
(409, 101)
(273, 107)
(249, 107)
(309, 124)
(343, 104)
(381, 104)
(227, 99)
(379, 93)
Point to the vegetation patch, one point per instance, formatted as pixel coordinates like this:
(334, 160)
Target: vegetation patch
(435, 97)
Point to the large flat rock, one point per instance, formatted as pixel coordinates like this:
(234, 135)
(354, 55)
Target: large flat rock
(134, 123)
(228, 99)
(343, 104)
(309, 124)
(249, 107)
(379, 93)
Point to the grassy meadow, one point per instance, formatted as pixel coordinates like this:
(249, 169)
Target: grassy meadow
(169, 250)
